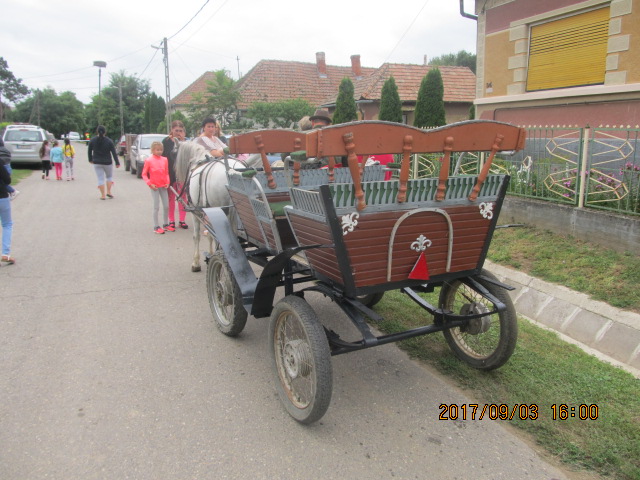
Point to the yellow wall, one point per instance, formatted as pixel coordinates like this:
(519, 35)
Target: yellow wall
(630, 60)
(498, 49)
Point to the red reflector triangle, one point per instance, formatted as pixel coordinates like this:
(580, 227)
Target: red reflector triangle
(420, 270)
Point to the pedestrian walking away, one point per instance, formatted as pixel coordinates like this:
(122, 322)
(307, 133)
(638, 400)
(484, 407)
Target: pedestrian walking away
(156, 174)
(5, 159)
(5, 218)
(69, 156)
(171, 144)
(101, 151)
(46, 159)
(57, 158)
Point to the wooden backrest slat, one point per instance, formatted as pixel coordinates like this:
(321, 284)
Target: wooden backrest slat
(275, 141)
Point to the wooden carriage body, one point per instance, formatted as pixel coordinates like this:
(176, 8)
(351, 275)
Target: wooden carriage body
(367, 234)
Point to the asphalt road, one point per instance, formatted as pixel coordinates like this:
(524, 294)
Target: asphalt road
(111, 368)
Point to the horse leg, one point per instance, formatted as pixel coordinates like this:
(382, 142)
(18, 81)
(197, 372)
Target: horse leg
(195, 266)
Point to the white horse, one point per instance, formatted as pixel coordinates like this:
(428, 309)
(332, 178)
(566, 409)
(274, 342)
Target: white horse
(205, 179)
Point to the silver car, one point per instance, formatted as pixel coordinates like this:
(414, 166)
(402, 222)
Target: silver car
(24, 142)
(141, 149)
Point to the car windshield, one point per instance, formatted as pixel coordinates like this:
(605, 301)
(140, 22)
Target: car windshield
(23, 136)
(145, 142)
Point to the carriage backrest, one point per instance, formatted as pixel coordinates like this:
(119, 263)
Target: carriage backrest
(375, 138)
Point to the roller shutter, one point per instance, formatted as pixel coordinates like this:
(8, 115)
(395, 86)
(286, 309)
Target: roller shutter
(570, 52)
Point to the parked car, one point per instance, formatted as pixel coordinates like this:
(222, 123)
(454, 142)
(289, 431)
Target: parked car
(121, 147)
(74, 136)
(141, 149)
(24, 142)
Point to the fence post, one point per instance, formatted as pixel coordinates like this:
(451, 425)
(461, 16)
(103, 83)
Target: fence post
(584, 165)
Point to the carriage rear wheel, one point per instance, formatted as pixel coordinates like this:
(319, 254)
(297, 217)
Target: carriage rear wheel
(486, 342)
(302, 360)
(225, 298)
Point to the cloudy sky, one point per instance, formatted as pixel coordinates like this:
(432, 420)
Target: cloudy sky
(55, 43)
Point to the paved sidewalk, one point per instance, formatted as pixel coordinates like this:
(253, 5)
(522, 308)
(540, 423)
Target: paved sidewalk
(605, 331)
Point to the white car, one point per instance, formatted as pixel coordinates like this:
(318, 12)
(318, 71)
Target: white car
(24, 142)
(141, 149)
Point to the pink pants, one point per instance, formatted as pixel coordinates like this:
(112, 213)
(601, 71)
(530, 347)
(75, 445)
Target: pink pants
(172, 204)
(58, 169)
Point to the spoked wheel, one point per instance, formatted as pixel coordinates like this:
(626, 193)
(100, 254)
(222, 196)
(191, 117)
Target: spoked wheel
(486, 342)
(225, 298)
(302, 360)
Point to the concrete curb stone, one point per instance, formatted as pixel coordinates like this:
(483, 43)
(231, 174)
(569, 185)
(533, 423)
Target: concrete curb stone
(596, 326)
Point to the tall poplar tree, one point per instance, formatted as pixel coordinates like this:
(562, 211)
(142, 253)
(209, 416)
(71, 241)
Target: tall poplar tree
(390, 105)
(346, 110)
(430, 104)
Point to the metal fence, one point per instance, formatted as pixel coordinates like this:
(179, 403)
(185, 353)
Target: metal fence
(585, 167)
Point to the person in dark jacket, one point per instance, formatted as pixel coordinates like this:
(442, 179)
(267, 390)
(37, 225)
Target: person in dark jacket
(170, 151)
(5, 218)
(5, 159)
(101, 151)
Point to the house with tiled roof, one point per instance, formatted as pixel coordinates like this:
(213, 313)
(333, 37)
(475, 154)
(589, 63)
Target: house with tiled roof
(318, 83)
(459, 90)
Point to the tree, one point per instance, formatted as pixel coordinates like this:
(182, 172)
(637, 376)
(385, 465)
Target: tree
(390, 105)
(57, 113)
(11, 88)
(220, 101)
(134, 93)
(460, 59)
(346, 110)
(430, 104)
(279, 114)
(154, 113)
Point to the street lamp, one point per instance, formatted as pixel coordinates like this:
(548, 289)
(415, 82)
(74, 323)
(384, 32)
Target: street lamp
(100, 64)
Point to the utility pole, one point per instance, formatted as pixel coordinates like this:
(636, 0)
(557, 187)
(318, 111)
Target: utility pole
(167, 98)
(238, 60)
(121, 111)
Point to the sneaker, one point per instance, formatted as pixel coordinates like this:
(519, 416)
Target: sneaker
(184, 225)
(158, 230)
(169, 228)
(14, 194)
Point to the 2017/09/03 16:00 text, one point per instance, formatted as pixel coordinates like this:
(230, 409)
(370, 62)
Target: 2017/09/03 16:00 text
(502, 411)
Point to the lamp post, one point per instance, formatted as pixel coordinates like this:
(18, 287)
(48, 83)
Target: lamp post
(100, 64)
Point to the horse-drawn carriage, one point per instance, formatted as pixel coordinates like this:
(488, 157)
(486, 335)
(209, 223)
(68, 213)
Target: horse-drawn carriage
(352, 235)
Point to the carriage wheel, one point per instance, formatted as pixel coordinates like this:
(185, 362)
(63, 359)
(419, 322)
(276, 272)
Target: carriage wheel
(370, 299)
(302, 360)
(486, 342)
(225, 298)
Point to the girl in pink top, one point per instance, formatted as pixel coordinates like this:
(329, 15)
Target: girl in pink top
(156, 174)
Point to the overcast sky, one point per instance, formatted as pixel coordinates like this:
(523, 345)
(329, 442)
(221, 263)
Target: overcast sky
(55, 43)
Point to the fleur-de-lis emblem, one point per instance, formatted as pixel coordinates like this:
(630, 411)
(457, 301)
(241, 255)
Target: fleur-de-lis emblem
(486, 210)
(421, 244)
(349, 222)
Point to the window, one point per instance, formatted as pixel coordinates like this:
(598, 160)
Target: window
(569, 52)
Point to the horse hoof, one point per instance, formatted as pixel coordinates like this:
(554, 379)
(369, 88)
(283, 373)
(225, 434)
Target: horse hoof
(196, 268)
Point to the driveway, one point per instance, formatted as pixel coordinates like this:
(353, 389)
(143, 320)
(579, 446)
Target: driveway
(111, 368)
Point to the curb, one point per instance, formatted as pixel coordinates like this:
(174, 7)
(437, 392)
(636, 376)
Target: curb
(598, 328)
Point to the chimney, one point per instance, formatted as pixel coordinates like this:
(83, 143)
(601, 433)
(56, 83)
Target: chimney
(322, 66)
(355, 66)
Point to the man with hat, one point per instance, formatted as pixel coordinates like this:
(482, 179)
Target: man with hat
(320, 119)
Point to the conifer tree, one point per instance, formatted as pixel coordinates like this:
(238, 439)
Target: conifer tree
(430, 103)
(345, 104)
(390, 105)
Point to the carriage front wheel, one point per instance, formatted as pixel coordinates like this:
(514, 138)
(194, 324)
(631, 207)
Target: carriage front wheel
(486, 342)
(225, 298)
(302, 360)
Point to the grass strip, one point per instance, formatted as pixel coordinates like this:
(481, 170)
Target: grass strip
(545, 371)
(18, 174)
(604, 274)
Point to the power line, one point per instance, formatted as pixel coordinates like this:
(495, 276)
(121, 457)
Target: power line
(406, 31)
(205, 3)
